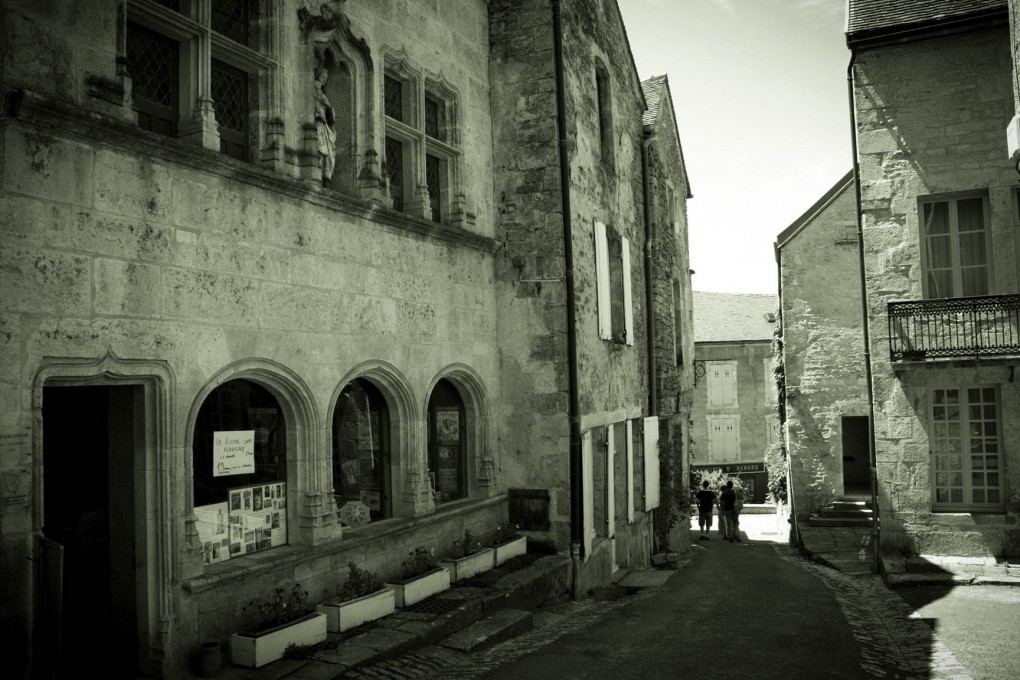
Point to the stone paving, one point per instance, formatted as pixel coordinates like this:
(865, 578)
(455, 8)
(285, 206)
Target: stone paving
(895, 645)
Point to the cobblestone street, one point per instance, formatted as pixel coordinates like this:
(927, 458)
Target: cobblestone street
(889, 642)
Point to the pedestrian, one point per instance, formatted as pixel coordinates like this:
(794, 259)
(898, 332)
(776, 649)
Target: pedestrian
(728, 505)
(723, 524)
(706, 503)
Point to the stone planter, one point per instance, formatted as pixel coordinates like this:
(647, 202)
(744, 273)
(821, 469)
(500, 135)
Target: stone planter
(416, 589)
(466, 567)
(257, 649)
(349, 614)
(511, 549)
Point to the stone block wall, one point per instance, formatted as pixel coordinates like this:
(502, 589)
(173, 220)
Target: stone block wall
(823, 347)
(930, 115)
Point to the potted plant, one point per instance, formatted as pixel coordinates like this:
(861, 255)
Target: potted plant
(507, 542)
(274, 624)
(361, 599)
(421, 577)
(468, 557)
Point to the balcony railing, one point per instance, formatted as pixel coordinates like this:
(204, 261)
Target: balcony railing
(954, 328)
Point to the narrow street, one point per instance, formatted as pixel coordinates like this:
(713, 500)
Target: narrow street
(756, 609)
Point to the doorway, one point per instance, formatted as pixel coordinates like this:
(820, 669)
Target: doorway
(88, 613)
(856, 457)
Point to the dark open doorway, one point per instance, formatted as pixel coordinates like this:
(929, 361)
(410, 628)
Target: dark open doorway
(856, 464)
(88, 609)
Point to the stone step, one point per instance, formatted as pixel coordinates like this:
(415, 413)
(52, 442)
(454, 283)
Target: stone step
(858, 513)
(851, 505)
(820, 521)
(501, 625)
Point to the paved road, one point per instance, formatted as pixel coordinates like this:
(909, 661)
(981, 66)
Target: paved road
(753, 610)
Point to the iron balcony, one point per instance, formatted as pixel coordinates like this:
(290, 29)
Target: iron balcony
(954, 328)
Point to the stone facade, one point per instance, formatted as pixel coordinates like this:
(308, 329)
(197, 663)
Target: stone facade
(823, 352)
(152, 278)
(733, 426)
(931, 107)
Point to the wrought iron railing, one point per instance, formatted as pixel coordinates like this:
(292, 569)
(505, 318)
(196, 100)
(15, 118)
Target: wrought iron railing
(971, 327)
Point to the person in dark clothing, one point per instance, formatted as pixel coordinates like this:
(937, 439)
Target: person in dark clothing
(728, 505)
(706, 500)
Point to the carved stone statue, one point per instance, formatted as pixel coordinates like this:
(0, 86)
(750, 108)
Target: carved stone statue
(325, 119)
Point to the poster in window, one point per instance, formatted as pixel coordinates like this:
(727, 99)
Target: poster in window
(212, 526)
(448, 425)
(233, 452)
(256, 500)
(449, 469)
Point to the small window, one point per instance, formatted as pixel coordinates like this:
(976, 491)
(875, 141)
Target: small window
(955, 246)
(447, 443)
(393, 98)
(605, 113)
(395, 171)
(723, 439)
(230, 94)
(613, 284)
(240, 471)
(722, 383)
(153, 61)
(361, 449)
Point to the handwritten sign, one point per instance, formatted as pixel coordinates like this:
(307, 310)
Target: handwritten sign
(233, 453)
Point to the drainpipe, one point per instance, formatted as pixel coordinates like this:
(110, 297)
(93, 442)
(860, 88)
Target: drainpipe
(576, 477)
(872, 461)
(653, 388)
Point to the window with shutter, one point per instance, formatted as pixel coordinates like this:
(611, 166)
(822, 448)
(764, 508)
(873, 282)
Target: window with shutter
(722, 383)
(651, 446)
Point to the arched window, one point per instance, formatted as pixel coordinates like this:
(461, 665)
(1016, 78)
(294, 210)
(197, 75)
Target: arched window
(447, 442)
(361, 449)
(240, 471)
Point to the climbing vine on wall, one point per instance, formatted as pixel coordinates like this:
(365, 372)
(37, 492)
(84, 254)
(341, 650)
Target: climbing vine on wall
(777, 462)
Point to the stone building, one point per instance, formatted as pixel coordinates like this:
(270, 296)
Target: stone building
(826, 404)
(932, 93)
(735, 401)
(287, 286)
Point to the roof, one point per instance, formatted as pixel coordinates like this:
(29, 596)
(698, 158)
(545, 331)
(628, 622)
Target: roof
(657, 96)
(733, 317)
(844, 183)
(867, 18)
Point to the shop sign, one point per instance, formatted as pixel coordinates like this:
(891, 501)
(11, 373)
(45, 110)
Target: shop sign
(734, 468)
(233, 453)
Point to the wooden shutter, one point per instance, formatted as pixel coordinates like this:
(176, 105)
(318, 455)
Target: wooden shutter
(630, 472)
(651, 463)
(588, 496)
(628, 305)
(602, 282)
(610, 482)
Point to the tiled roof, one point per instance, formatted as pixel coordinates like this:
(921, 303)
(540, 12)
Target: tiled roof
(866, 16)
(732, 317)
(653, 95)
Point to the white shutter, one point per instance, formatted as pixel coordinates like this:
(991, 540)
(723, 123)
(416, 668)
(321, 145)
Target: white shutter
(630, 472)
(610, 482)
(588, 497)
(628, 305)
(602, 282)
(651, 463)
(770, 383)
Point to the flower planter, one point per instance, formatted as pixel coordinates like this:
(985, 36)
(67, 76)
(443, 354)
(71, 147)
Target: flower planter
(349, 614)
(257, 649)
(511, 549)
(416, 589)
(466, 567)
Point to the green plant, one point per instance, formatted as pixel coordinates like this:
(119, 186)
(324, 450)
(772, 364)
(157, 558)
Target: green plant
(465, 545)
(280, 608)
(505, 532)
(419, 561)
(716, 480)
(360, 582)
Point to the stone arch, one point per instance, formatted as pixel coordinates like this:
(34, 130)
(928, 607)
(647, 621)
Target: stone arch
(481, 467)
(409, 486)
(306, 483)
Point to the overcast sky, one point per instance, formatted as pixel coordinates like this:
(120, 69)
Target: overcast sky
(759, 88)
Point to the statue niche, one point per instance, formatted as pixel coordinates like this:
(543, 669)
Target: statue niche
(334, 116)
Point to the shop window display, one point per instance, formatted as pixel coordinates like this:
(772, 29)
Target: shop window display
(361, 449)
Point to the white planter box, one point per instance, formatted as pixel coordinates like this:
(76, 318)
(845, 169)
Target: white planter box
(466, 567)
(507, 551)
(417, 589)
(255, 650)
(343, 616)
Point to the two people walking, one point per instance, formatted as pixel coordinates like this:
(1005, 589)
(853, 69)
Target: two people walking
(729, 505)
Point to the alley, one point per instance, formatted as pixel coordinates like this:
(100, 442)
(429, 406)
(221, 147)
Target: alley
(755, 609)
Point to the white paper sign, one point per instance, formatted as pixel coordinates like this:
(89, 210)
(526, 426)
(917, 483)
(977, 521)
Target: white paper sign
(233, 453)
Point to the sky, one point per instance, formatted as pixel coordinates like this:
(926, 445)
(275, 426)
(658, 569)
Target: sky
(759, 89)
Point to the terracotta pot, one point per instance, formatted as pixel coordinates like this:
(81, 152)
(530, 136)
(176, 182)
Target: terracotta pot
(208, 660)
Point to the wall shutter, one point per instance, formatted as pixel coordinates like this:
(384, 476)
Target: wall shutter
(628, 303)
(630, 472)
(602, 282)
(651, 463)
(588, 496)
(610, 482)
